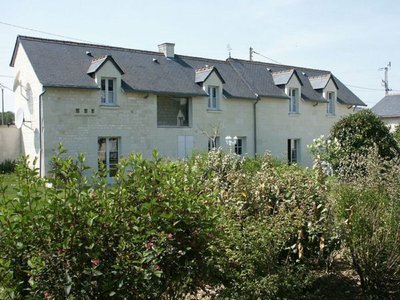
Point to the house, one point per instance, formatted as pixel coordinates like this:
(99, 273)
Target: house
(107, 102)
(388, 108)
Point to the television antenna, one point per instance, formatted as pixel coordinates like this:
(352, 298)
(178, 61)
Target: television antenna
(385, 82)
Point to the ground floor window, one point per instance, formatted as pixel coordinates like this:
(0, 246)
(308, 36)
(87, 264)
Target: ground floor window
(293, 150)
(108, 154)
(213, 143)
(240, 146)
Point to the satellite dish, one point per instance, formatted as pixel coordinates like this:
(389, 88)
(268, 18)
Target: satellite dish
(19, 117)
(17, 82)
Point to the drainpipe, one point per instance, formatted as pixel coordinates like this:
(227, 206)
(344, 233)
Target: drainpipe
(255, 124)
(40, 132)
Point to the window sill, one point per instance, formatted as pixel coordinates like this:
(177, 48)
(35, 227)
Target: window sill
(109, 106)
(294, 114)
(214, 110)
(331, 115)
(172, 126)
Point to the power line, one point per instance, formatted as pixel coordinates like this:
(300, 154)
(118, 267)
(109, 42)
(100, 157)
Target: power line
(44, 32)
(3, 86)
(251, 56)
(6, 76)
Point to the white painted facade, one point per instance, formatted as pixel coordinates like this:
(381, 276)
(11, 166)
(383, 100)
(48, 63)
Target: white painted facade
(76, 118)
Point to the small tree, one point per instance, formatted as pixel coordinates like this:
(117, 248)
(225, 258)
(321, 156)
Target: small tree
(357, 133)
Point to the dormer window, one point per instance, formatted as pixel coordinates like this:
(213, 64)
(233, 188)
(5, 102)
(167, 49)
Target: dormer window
(108, 95)
(330, 106)
(294, 100)
(213, 97)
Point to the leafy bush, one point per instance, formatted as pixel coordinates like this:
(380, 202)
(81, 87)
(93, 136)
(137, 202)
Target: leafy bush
(368, 210)
(7, 166)
(274, 223)
(145, 237)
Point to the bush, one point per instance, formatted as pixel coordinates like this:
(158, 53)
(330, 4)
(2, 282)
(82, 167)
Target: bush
(368, 209)
(145, 237)
(7, 166)
(274, 225)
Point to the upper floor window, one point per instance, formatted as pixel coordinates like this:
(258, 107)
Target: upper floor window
(213, 97)
(294, 100)
(108, 95)
(173, 111)
(330, 106)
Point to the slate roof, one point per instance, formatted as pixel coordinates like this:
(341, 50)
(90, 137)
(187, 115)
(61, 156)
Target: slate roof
(389, 106)
(66, 64)
(203, 73)
(97, 63)
(282, 77)
(320, 81)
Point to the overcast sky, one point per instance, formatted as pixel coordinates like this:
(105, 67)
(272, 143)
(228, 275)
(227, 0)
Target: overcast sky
(352, 39)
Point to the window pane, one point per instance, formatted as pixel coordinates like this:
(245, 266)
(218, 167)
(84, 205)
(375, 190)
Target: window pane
(110, 84)
(172, 111)
(102, 151)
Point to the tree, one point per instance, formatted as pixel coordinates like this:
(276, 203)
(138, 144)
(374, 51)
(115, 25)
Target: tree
(8, 117)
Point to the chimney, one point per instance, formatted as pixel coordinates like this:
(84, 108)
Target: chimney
(167, 49)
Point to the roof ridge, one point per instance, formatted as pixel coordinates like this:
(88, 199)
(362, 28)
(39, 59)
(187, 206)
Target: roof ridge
(278, 65)
(81, 44)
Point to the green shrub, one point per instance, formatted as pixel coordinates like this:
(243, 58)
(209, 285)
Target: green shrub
(144, 237)
(275, 221)
(368, 209)
(7, 166)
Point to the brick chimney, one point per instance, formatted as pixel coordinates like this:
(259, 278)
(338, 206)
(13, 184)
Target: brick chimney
(167, 49)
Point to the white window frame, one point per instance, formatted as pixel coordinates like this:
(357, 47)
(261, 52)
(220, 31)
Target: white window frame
(293, 149)
(106, 99)
(331, 105)
(294, 100)
(107, 152)
(213, 97)
(240, 146)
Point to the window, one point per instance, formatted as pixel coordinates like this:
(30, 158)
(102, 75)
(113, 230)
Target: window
(240, 146)
(293, 151)
(294, 100)
(330, 106)
(108, 95)
(213, 97)
(213, 143)
(108, 154)
(173, 112)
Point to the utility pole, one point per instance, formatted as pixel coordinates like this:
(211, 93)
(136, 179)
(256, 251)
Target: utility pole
(251, 53)
(385, 82)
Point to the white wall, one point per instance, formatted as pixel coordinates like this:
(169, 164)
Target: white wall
(10, 143)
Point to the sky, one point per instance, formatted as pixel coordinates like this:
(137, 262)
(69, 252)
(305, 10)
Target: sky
(352, 39)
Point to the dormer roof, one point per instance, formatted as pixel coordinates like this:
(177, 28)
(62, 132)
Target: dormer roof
(203, 73)
(321, 81)
(283, 77)
(98, 62)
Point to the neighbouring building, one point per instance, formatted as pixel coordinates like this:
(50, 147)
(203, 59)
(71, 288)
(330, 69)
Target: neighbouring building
(107, 102)
(388, 108)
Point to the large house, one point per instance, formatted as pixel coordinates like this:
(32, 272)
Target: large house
(388, 108)
(107, 102)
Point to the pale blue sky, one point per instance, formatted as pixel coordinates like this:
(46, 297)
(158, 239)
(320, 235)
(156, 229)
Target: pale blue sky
(353, 39)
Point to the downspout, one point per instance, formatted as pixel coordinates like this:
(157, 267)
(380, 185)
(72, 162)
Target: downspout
(40, 132)
(255, 124)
